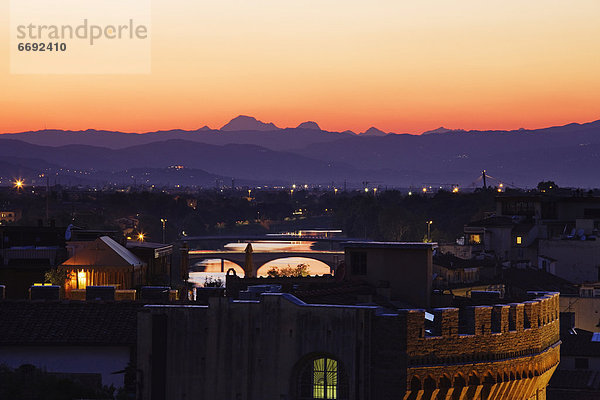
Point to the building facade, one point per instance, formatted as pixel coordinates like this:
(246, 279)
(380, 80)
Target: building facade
(282, 348)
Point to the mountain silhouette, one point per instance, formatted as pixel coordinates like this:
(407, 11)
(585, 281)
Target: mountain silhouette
(372, 131)
(246, 123)
(309, 125)
(441, 129)
(568, 154)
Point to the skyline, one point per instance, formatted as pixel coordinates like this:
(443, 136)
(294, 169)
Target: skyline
(201, 127)
(403, 68)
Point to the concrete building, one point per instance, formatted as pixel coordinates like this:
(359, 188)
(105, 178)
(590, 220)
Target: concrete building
(26, 253)
(9, 216)
(400, 271)
(157, 257)
(554, 233)
(585, 307)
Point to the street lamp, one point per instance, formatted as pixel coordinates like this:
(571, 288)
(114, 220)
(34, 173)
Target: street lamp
(429, 231)
(141, 237)
(164, 221)
(19, 183)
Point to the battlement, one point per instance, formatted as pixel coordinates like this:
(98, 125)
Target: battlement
(482, 332)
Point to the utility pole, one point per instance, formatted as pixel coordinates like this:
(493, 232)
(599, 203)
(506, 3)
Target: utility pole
(164, 221)
(429, 231)
(483, 176)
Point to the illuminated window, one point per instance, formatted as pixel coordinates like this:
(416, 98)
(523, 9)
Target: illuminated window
(476, 239)
(81, 281)
(519, 240)
(322, 378)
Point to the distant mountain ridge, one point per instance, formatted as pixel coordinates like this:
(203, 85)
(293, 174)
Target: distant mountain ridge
(569, 154)
(246, 123)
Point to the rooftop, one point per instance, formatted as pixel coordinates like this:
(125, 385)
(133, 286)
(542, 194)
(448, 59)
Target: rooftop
(68, 323)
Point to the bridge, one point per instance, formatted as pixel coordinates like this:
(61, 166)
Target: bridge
(260, 258)
(334, 241)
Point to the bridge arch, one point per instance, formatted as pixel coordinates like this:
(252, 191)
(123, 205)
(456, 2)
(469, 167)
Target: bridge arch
(260, 258)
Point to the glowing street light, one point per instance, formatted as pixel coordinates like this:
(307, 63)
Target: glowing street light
(140, 237)
(19, 183)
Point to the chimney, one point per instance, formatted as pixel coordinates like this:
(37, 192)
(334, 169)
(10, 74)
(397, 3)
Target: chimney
(185, 262)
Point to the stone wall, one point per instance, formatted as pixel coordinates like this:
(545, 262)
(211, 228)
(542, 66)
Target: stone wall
(253, 350)
(489, 352)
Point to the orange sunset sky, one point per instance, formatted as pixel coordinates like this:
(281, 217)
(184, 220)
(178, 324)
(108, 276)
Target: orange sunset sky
(402, 66)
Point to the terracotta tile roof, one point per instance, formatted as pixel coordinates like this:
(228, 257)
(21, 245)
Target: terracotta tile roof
(68, 323)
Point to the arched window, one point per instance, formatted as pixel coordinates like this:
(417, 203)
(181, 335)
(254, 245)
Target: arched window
(322, 378)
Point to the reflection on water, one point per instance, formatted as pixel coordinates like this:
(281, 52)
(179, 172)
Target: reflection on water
(217, 269)
(212, 269)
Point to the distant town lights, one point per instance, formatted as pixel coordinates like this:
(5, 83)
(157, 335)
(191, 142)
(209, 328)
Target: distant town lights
(19, 183)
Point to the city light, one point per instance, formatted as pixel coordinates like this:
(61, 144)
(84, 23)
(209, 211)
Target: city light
(141, 237)
(455, 190)
(424, 190)
(19, 183)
